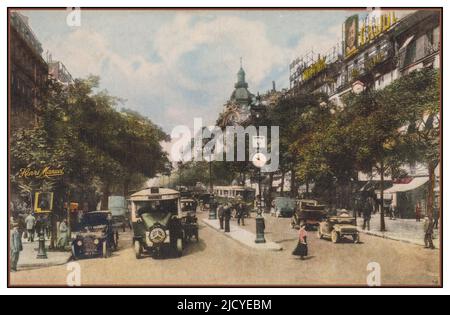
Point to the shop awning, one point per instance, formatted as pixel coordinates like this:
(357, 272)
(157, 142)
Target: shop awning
(415, 183)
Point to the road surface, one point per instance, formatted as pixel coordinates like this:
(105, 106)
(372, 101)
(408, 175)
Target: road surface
(218, 260)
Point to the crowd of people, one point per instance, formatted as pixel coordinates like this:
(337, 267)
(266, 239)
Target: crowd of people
(26, 226)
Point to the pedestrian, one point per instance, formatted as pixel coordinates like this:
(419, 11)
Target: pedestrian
(428, 230)
(30, 222)
(393, 211)
(220, 212)
(16, 246)
(302, 246)
(367, 214)
(418, 212)
(109, 232)
(240, 214)
(227, 218)
(39, 225)
(436, 217)
(63, 235)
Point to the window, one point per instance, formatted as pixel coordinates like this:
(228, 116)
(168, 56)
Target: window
(410, 55)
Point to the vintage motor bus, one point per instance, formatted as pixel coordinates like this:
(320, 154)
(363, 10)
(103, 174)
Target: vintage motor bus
(158, 221)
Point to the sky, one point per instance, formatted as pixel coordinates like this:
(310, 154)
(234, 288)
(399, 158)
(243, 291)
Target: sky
(173, 66)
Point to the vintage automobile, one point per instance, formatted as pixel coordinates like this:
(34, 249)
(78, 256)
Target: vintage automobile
(309, 212)
(283, 207)
(119, 210)
(158, 222)
(338, 227)
(96, 237)
(189, 219)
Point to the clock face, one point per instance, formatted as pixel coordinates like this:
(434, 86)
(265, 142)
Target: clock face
(259, 160)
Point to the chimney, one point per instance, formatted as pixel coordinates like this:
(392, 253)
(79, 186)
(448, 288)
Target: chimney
(274, 88)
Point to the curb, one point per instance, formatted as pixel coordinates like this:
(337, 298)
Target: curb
(44, 264)
(384, 236)
(268, 246)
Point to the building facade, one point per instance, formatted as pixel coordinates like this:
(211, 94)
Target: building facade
(237, 110)
(28, 73)
(58, 71)
(377, 49)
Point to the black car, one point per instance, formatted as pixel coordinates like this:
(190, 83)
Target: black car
(97, 236)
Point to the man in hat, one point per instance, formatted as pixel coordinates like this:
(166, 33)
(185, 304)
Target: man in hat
(240, 214)
(30, 222)
(220, 213)
(367, 214)
(227, 217)
(428, 230)
(16, 246)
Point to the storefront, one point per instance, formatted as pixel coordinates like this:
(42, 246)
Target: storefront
(406, 194)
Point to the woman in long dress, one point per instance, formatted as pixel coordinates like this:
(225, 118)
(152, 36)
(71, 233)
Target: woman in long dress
(302, 247)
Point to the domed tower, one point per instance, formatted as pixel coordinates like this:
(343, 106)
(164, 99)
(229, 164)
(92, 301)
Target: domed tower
(237, 109)
(241, 94)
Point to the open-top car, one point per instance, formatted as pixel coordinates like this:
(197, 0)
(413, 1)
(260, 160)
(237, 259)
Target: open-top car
(309, 212)
(96, 237)
(338, 227)
(158, 221)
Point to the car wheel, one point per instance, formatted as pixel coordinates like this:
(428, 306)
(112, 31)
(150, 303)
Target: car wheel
(137, 249)
(197, 239)
(335, 237)
(179, 247)
(319, 233)
(74, 253)
(106, 252)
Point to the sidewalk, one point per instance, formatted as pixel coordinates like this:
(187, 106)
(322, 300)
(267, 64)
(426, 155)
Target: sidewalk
(404, 230)
(243, 236)
(28, 258)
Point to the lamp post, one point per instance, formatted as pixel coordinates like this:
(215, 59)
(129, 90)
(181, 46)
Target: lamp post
(212, 201)
(42, 253)
(260, 160)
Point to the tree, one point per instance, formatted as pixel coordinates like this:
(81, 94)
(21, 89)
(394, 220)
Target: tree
(291, 114)
(418, 97)
(81, 131)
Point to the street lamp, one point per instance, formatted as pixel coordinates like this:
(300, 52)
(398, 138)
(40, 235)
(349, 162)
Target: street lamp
(42, 253)
(260, 160)
(212, 201)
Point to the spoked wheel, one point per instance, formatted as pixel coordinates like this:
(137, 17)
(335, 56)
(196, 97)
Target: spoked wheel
(319, 233)
(106, 253)
(335, 237)
(356, 239)
(137, 249)
(179, 249)
(197, 239)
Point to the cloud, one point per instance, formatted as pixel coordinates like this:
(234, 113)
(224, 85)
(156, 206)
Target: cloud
(197, 58)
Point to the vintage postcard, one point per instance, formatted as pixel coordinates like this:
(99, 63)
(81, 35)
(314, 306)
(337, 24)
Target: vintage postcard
(232, 147)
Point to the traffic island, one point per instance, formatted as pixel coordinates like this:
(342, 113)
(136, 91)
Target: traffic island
(243, 236)
(28, 257)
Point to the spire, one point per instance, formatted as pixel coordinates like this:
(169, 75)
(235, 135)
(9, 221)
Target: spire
(241, 77)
